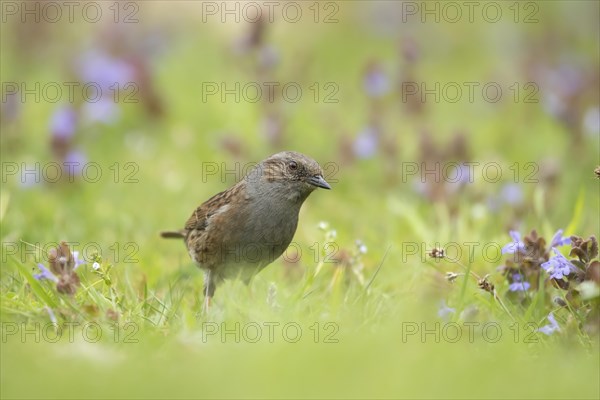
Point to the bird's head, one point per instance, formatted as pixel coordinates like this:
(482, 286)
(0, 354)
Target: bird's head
(289, 172)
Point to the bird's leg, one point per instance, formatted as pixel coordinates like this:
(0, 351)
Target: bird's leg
(209, 290)
(206, 304)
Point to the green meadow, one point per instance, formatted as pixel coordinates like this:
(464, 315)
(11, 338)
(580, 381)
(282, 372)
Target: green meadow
(454, 257)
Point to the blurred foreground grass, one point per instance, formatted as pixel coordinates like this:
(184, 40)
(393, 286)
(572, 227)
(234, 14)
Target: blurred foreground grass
(370, 303)
(367, 365)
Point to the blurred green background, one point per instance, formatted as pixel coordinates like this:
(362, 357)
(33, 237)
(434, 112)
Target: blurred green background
(155, 107)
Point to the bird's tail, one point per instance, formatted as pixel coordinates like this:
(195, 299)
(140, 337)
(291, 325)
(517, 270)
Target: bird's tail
(173, 234)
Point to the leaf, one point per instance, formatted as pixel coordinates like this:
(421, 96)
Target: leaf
(36, 287)
(577, 213)
(377, 270)
(579, 253)
(4, 200)
(463, 289)
(593, 251)
(593, 272)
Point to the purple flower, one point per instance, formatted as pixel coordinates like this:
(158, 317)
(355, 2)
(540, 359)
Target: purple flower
(516, 245)
(101, 69)
(376, 82)
(74, 163)
(105, 110)
(45, 274)
(78, 261)
(465, 174)
(459, 177)
(51, 315)
(512, 194)
(559, 240)
(518, 285)
(550, 328)
(63, 123)
(560, 85)
(558, 266)
(444, 311)
(566, 80)
(268, 56)
(365, 144)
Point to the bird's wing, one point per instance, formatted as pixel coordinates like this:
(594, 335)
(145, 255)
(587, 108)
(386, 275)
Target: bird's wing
(204, 230)
(199, 218)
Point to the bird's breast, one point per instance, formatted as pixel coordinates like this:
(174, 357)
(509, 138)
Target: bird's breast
(272, 222)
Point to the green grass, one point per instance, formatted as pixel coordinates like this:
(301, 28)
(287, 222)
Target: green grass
(357, 318)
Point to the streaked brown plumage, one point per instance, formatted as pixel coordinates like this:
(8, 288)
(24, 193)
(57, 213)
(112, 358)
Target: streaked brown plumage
(240, 231)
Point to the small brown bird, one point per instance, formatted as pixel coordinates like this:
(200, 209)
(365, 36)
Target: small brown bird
(238, 232)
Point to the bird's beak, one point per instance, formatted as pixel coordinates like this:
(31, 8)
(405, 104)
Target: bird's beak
(318, 181)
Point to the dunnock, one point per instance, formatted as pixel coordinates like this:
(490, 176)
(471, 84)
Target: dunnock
(238, 232)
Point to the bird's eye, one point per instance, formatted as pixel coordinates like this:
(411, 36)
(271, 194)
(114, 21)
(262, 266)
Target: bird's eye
(293, 165)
